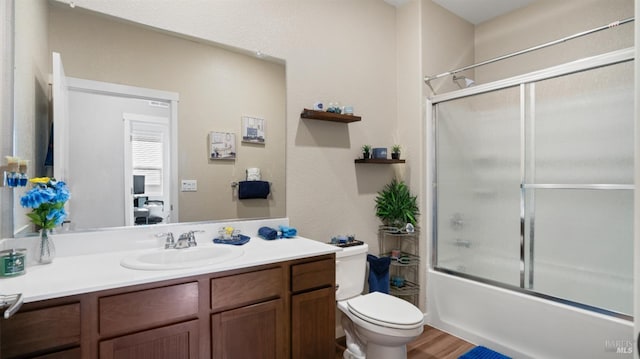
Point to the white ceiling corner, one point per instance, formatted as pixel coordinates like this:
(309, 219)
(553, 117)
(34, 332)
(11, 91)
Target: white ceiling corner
(478, 11)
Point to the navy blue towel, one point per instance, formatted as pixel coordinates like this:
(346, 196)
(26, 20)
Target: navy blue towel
(267, 233)
(378, 273)
(253, 189)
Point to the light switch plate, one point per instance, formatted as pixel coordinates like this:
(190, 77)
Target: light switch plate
(189, 185)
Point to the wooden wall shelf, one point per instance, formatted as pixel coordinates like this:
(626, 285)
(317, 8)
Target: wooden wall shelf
(329, 116)
(378, 161)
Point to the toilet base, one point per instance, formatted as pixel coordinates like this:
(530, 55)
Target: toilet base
(348, 354)
(375, 351)
(378, 352)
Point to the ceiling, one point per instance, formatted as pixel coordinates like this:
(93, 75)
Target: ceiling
(475, 11)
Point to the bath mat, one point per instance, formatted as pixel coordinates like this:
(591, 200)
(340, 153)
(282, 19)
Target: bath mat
(482, 353)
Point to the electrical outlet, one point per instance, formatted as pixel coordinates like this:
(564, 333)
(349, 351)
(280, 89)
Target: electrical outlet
(189, 185)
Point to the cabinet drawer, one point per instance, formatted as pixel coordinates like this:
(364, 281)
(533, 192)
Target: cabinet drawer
(41, 330)
(241, 289)
(312, 275)
(147, 308)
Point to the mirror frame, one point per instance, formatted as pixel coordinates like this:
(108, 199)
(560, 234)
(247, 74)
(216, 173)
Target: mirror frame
(7, 30)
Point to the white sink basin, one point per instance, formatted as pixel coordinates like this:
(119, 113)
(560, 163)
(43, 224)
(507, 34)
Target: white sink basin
(162, 259)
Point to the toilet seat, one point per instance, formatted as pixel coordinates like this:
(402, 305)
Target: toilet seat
(386, 310)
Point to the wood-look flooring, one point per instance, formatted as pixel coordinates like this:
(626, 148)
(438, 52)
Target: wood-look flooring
(431, 344)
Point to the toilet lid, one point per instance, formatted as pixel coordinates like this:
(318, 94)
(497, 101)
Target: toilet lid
(386, 310)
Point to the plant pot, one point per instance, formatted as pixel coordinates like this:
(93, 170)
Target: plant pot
(395, 155)
(366, 155)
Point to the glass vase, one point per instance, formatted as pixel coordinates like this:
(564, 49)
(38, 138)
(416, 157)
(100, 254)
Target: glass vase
(45, 250)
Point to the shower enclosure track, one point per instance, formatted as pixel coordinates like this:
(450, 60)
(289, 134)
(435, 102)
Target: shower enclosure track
(428, 79)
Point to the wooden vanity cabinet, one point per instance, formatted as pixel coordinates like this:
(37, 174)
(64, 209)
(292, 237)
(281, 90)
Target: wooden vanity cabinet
(248, 319)
(280, 310)
(313, 306)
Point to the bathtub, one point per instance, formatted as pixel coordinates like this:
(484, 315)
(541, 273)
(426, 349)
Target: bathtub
(521, 325)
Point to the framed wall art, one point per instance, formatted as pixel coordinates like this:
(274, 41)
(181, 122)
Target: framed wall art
(253, 130)
(222, 146)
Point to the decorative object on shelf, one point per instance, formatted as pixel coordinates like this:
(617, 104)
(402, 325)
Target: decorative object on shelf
(47, 199)
(395, 206)
(380, 153)
(328, 116)
(347, 110)
(397, 281)
(366, 152)
(222, 146)
(318, 106)
(334, 107)
(395, 152)
(253, 130)
(15, 172)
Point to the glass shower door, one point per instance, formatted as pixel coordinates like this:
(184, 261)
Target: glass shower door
(580, 188)
(478, 180)
(533, 186)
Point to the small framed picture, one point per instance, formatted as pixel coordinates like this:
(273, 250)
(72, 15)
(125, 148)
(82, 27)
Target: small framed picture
(222, 146)
(253, 130)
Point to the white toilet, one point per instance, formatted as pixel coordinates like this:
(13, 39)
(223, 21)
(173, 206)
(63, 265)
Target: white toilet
(376, 325)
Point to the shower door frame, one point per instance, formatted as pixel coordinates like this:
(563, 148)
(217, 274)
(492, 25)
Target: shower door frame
(521, 81)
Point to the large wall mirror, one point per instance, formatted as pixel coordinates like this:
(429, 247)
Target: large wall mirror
(215, 86)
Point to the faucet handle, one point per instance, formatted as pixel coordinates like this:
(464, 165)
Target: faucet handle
(189, 237)
(192, 237)
(169, 241)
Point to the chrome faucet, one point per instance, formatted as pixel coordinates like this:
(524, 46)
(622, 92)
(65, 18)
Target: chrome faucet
(187, 240)
(169, 241)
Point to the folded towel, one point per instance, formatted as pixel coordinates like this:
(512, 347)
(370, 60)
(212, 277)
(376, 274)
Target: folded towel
(378, 273)
(253, 189)
(288, 232)
(236, 241)
(267, 233)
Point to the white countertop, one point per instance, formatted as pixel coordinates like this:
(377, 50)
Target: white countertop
(84, 271)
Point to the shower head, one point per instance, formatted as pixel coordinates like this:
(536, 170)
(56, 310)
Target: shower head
(467, 81)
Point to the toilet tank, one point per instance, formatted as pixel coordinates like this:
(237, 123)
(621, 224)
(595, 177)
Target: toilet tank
(351, 265)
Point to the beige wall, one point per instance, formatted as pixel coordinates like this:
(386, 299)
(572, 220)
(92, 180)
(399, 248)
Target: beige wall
(549, 20)
(216, 87)
(447, 44)
(411, 127)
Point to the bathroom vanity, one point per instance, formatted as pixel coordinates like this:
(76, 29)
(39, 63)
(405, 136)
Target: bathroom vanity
(276, 301)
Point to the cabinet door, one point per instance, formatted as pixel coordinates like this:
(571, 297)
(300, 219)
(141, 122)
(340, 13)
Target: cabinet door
(256, 331)
(178, 341)
(313, 324)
